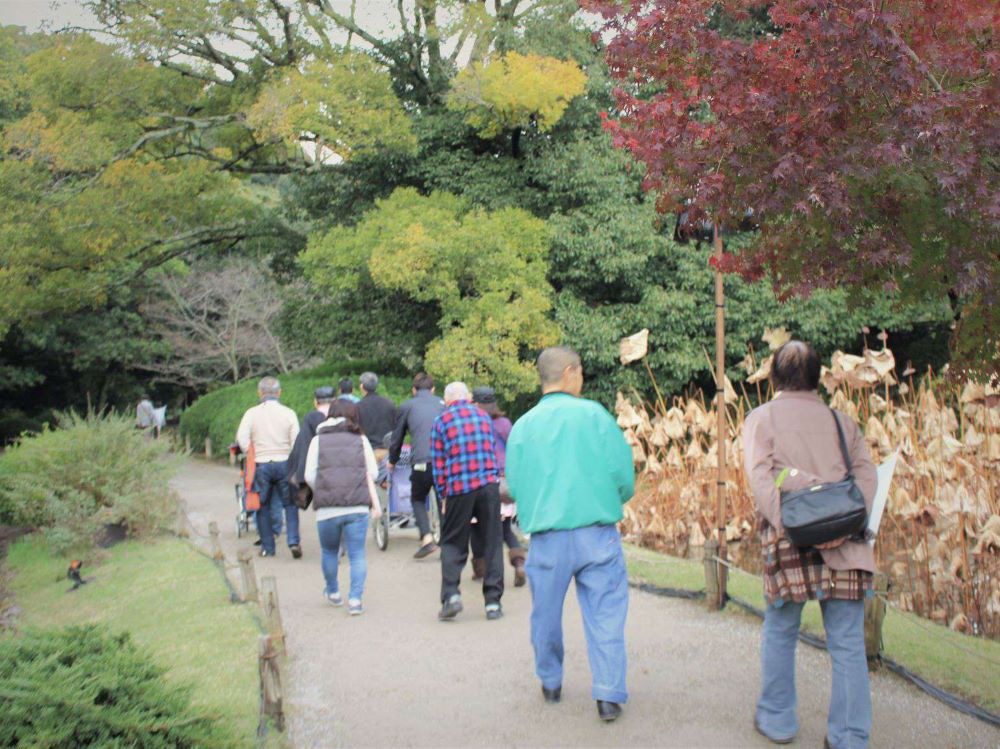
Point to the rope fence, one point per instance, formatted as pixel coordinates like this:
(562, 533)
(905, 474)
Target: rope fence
(264, 611)
(951, 700)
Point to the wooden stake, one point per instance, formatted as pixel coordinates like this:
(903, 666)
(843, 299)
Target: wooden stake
(245, 557)
(271, 702)
(874, 616)
(272, 612)
(722, 434)
(711, 574)
(208, 447)
(213, 532)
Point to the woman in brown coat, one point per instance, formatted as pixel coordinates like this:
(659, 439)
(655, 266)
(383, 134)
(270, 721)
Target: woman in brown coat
(792, 441)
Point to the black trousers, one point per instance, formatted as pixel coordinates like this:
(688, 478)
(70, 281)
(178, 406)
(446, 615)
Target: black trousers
(478, 541)
(484, 505)
(421, 483)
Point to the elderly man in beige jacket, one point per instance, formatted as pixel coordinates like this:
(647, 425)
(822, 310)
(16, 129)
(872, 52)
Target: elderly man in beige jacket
(272, 428)
(792, 441)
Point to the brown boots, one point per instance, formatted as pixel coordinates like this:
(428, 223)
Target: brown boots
(517, 557)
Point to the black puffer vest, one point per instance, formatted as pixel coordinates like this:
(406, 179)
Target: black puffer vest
(341, 473)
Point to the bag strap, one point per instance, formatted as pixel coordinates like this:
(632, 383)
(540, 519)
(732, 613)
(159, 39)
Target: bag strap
(843, 445)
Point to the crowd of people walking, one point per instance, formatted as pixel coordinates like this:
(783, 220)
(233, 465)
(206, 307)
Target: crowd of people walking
(564, 471)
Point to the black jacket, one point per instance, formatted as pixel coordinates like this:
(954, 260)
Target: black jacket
(415, 416)
(378, 418)
(297, 458)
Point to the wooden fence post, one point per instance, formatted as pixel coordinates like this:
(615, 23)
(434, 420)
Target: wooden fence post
(213, 532)
(187, 443)
(245, 558)
(208, 447)
(874, 616)
(712, 574)
(271, 703)
(272, 612)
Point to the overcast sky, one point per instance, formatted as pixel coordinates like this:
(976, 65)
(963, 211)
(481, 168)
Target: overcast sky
(376, 15)
(33, 13)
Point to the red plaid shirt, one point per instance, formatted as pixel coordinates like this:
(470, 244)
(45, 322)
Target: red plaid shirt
(462, 450)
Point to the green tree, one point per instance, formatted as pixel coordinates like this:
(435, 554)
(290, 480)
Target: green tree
(485, 271)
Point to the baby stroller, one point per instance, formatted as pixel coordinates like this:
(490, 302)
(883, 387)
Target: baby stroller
(247, 500)
(394, 496)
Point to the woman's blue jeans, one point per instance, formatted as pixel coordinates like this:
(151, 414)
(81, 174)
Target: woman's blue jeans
(352, 529)
(850, 717)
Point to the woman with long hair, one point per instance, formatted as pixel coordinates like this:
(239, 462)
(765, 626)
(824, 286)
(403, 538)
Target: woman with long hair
(341, 470)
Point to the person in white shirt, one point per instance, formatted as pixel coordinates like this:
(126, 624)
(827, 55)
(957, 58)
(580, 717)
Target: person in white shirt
(341, 470)
(272, 428)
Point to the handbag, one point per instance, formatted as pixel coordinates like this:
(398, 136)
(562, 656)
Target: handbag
(825, 512)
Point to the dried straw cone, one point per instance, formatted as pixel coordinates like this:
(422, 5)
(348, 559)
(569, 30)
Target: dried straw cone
(940, 537)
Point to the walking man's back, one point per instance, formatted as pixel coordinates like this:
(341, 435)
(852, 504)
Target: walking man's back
(570, 471)
(416, 416)
(272, 428)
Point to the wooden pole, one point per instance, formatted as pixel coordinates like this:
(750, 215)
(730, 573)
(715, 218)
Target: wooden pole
(271, 702)
(213, 532)
(208, 447)
(722, 435)
(245, 557)
(711, 574)
(272, 612)
(874, 616)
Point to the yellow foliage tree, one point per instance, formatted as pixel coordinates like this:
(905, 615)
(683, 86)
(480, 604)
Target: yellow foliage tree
(516, 91)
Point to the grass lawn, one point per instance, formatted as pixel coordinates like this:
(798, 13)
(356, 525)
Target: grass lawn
(956, 662)
(173, 602)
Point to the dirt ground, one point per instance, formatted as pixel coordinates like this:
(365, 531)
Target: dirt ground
(397, 677)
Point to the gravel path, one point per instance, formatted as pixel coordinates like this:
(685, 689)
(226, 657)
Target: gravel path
(397, 677)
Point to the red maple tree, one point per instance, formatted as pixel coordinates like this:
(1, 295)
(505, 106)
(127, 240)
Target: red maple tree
(863, 134)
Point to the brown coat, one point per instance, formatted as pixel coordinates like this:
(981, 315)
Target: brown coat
(795, 430)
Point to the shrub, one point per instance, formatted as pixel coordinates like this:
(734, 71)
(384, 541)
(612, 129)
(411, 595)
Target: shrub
(84, 686)
(217, 414)
(91, 471)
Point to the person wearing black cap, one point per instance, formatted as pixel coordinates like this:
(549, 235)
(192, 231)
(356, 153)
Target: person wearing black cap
(322, 398)
(486, 399)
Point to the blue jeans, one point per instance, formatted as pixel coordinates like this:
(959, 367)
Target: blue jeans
(353, 528)
(593, 556)
(850, 718)
(271, 480)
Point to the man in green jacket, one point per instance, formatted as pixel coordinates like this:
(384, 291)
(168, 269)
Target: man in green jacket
(570, 471)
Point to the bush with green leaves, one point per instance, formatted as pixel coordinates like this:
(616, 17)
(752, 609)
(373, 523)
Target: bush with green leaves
(85, 686)
(91, 471)
(217, 414)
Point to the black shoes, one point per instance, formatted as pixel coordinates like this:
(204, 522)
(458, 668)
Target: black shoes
(451, 608)
(425, 550)
(552, 696)
(608, 711)
(296, 551)
(257, 542)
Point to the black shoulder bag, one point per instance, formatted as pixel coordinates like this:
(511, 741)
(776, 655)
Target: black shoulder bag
(825, 512)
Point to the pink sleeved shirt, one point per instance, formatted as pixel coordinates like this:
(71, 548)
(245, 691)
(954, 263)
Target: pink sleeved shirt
(795, 430)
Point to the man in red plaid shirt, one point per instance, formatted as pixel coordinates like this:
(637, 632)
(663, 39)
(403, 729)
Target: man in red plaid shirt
(465, 475)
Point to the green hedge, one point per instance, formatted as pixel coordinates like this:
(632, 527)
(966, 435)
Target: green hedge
(217, 414)
(84, 686)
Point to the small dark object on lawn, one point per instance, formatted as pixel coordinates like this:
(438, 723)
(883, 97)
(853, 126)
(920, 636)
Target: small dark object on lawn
(74, 574)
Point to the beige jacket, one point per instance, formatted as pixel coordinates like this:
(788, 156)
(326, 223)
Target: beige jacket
(795, 430)
(272, 428)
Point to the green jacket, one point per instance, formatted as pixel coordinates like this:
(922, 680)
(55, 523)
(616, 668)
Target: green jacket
(568, 465)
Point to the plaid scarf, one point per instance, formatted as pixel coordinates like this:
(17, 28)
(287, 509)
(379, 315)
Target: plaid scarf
(799, 574)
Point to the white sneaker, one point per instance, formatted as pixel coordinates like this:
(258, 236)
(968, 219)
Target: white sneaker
(354, 607)
(335, 598)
